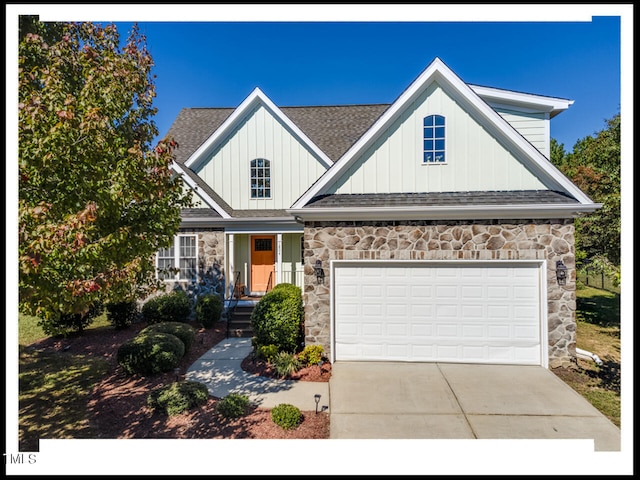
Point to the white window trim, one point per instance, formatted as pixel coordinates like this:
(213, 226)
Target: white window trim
(176, 258)
(251, 197)
(446, 155)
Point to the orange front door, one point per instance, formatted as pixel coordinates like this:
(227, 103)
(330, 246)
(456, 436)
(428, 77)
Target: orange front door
(263, 261)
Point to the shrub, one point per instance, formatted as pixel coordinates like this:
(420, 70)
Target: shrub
(267, 352)
(311, 354)
(122, 314)
(67, 323)
(277, 318)
(169, 307)
(233, 405)
(150, 353)
(186, 333)
(208, 309)
(177, 397)
(286, 416)
(286, 364)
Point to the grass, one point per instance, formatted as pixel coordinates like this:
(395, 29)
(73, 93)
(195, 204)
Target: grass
(29, 331)
(53, 387)
(598, 331)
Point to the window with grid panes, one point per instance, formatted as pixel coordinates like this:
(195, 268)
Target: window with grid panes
(434, 137)
(260, 178)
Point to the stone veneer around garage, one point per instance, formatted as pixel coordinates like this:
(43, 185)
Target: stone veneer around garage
(434, 240)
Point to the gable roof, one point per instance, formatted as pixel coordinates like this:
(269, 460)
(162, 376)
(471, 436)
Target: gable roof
(333, 128)
(465, 94)
(239, 114)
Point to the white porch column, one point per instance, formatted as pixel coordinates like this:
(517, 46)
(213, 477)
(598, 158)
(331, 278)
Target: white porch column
(279, 258)
(230, 262)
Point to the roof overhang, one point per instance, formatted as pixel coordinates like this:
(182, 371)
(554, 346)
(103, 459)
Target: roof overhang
(464, 212)
(522, 101)
(191, 182)
(266, 224)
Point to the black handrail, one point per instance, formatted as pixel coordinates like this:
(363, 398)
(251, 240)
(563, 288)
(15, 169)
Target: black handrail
(233, 301)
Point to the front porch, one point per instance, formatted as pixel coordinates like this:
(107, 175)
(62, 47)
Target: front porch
(257, 261)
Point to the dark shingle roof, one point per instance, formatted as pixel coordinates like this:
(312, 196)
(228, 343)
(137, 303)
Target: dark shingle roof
(332, 128)
(193, 126)
(521, 197)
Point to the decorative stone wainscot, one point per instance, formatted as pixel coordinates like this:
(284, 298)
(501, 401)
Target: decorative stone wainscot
(432, 240)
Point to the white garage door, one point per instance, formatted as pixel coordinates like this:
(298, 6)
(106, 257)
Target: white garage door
(428, 311)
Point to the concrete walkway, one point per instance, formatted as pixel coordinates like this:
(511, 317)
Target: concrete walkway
(220, 370)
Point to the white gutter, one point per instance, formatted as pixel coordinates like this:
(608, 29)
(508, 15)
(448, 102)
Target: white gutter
(458, 212)
(588, 356)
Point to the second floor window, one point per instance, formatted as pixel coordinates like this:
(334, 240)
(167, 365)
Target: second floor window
(260, 178)
(433, 148)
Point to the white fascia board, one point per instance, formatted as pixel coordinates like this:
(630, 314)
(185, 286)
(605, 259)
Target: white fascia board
(437, 70)
(526, 102)
(460, 212)
(256, 97)
(202, 194)
(246, 225)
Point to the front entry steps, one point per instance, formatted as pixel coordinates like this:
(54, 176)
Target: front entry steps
(239, 319)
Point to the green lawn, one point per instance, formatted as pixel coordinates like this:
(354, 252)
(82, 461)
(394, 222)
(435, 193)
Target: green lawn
(53, 387)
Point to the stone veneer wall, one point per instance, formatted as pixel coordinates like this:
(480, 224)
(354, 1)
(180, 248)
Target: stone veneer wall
(433, 240)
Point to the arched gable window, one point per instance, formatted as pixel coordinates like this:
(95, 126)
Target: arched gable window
(260, 178)
(434, 139)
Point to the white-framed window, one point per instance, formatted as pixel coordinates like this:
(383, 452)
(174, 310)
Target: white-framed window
(179, 262)
(260, 178)
(434, 140)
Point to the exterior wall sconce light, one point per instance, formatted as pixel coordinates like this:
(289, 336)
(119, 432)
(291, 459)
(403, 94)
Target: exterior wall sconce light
(319, 272)
(561, 273)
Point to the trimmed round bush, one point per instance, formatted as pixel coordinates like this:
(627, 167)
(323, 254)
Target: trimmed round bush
(184, 332)
(286, 416)
(122, 314)
(233, 405)
(150, 353)
(169, 307)
(278, 318)
(178, 397)
(208, 309)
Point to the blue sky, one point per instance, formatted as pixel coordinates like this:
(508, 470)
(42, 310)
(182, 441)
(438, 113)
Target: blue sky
(208, 64)
(214, 55)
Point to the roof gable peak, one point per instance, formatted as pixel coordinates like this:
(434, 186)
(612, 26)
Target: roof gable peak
(256, 97)
(437, 71)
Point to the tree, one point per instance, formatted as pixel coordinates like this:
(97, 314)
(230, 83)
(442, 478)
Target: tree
(95, 200)
(594, 166)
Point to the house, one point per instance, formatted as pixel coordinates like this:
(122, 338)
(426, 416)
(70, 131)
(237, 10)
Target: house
(431, 229)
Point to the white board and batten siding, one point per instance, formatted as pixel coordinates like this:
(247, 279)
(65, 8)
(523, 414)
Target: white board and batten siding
(261, 135)
(475, 160)
(535, 127)
(439, 311)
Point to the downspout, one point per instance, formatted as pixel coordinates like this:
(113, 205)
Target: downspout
(588, 356)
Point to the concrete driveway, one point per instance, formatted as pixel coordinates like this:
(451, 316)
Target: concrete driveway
(387, 400)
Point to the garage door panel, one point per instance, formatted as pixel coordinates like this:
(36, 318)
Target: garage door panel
(463, 313)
